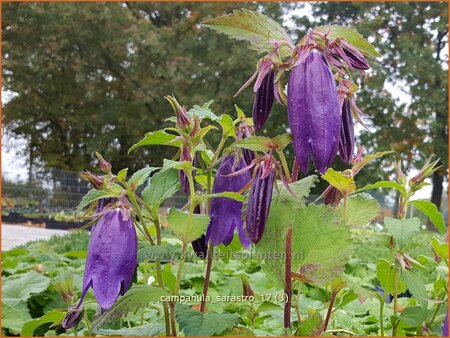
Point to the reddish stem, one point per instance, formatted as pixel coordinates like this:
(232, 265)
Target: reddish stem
(330, 309)
(295, 169)
(207, 277)
(288, 281)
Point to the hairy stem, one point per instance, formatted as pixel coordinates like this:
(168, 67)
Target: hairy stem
(288, 282)
(382, 317)
(173, 324)
(207, 276)
(285, 166)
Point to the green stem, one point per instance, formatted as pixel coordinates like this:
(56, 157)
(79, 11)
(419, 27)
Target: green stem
(382, 317)
(284, 165)
(139, 213)
(297, 304)
(219, 149)
(180, 269)
(394, 325)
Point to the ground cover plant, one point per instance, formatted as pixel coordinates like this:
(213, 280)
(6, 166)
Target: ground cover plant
(250, 252)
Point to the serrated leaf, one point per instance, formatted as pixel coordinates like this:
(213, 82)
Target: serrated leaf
(256, 28)
(416, 287)
(162, 185)
(432, 212)
(93, 195)
(386, 277)
(159, 137)
(122, 175)
(228, 128)
(402, 230)
(281, 141)
(54, 317)
(137, 297)
(226, 194)
(311, 326)
(203, 112)
(195, 323)
(178, 165)
(361, 209)
(414, 315)
(440, 248)
(255, 143)
(147, 330)
(300, 188)
(140, 176)
(340, 181)
(352, 36)
(14, 315)
(383, 184)
(164, 252)
(187, 227)
(239, 111)
(23, 287)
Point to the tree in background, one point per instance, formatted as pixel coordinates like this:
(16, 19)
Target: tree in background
(92, 76)
(413, 39)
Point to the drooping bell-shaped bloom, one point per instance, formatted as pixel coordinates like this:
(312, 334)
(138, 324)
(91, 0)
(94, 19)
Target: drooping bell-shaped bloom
(314, 114)
(226, 213)
(264, 99)
(200, 245)
(347, 139)
(111, 259)
(259, 200)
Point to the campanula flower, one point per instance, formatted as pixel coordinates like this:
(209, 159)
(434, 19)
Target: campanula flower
(347, 139)
(313, 111)
(226, 213)
(259, 199)
(264, 99)
(111, 259)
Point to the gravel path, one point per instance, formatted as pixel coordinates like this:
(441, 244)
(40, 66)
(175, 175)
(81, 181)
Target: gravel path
(14, 235)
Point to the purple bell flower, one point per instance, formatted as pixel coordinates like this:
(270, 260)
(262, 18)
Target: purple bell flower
(226, 213)
(263, 101)
(313, 109)
(259, 199)
(347, 139)
(445, 326)
(112, 258)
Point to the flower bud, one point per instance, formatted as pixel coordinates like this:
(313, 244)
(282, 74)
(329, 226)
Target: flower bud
(314, 114)
(427, 170)
(73, 317)
(246, 288)
(347, 139)
(95, 181)
(259, 199)
(354, 57)
(183, 120)
(264, 99)
(104, 165)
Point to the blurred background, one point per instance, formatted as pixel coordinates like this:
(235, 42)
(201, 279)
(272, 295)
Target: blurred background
(86, 77)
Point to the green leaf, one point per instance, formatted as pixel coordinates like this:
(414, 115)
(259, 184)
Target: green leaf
(402, 231)
(178, 165)
(228, 128)
(253, 27)
(137, 297)
(384, 184)
(23, 287)
(164, 252)
(186, 228)
(300, 188)
(122, 175)
(311, 326)
(386, 277)
(159, 137)
(237, 332)
(14, 315)
(416, 287)
(140, 176)
(255, 143)
(203, 112)
(93, 195)
(281, 141)
(414, 315)
(267, 307)
(338, 180)
(196, 323)
(324, 242)
(440, 248)
(54, 317)
(361, 209)
(148, 330)
(352, 36)
(226, 194)
(432, 212)
(162, 185)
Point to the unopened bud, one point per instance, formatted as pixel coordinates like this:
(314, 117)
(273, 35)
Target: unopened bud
(183, 120)
(104, 165)
(95, 181)
(246, 288)
(401, 177)
(73, 317)
(427, 170)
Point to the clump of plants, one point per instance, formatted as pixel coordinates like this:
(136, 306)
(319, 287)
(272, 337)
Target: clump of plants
(244, 197)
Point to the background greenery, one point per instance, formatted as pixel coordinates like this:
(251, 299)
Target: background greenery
(91, 76)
